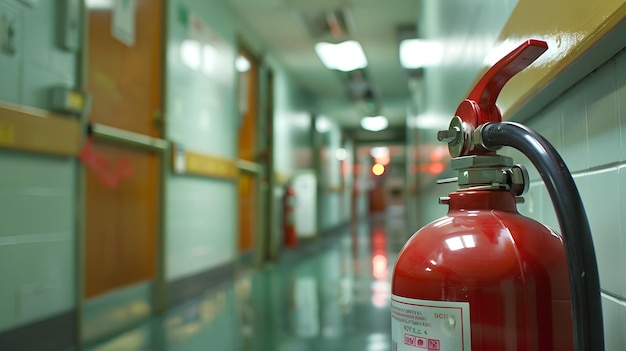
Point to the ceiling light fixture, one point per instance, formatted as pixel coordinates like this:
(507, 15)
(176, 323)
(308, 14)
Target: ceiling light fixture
(99, 4)
(416, 53)
(322, 124)
(341, 154)
(374, 124)
(347, 56)
(379, 151)
(381, 155)
(242, 64)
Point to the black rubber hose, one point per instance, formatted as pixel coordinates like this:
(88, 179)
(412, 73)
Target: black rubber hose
(581, 257)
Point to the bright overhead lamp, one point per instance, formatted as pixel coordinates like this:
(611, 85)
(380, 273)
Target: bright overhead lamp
(374, 124)
(242, 64)
(341, 154)
(322, 124)
(99, 4)
(381, 155)
(416, 53)
(346, 56)
(379, 152)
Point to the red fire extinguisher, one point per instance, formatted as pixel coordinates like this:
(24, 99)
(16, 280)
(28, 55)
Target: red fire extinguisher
(289, 217)
(484, 277)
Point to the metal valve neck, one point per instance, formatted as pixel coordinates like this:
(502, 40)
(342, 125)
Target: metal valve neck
(490, 172)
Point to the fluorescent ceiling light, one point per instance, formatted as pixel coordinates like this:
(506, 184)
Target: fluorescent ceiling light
(431, 121)
(416, 53)
(242, 64)
(380, 151)
(374, 124)
(341, 154)
(99, 4)
(461, 242)
(322, 124)
(381, 155)
(346, 56)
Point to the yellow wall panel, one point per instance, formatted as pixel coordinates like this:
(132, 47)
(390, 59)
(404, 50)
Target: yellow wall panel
(571, 28)
(200, 164)
(31, 129)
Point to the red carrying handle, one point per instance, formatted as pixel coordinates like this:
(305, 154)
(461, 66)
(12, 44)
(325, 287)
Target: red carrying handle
(480, 106)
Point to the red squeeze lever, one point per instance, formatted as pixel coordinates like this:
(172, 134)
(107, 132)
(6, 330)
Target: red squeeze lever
(480, 106)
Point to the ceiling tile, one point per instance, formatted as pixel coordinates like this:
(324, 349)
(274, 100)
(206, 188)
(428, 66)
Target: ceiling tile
(375, 22)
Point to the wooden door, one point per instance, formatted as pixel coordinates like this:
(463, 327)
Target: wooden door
(125, 81)
(248, 183)
(247, 211)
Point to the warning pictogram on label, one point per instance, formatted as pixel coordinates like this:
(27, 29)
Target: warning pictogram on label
(429, 325)
(416, 341)
(433, 345)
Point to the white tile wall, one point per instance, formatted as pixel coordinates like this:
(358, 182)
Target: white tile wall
(591, 138)
(10, 64)
(331, 203)
(38, 63)
(575, 150)
(202, 105)
(549, 125)
(201, 225)
(602, 119)
(620, 73)
(201, 214)
(36, 256)
(614, 323)
(622, 224)
(37, 193)
(601, 198)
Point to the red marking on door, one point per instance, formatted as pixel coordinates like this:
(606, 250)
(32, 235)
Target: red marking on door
(108, 174)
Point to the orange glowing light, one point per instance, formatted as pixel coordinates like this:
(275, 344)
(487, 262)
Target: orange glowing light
(436, 168)
(379, 266)
(384, 160)
(378, 169)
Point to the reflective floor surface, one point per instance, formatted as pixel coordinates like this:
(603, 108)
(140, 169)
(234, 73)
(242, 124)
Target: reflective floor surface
(330, 295)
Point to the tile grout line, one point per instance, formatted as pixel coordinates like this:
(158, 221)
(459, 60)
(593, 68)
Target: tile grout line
(612, 297)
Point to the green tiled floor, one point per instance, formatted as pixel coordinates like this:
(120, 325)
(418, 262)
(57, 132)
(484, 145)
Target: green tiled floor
(333, 295)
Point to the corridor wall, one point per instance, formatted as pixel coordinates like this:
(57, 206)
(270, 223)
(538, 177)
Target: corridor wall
(201, 216)
(334, 206)
(201, 109)
(37, 192)
(293, 143)
(466, 32)
(40, 195)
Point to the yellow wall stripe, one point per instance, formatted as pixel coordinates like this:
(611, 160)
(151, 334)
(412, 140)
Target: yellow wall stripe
(31, 129)
(200, 164)
(570, 28)
(282, 178)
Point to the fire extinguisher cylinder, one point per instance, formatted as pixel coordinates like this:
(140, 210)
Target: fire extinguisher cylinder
(484, 277)
(499, 278)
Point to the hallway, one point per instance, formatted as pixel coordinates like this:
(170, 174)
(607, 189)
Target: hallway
(159, 160)
(331, 294)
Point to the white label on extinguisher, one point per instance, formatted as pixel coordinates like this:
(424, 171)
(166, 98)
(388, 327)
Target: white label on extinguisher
(424, 325)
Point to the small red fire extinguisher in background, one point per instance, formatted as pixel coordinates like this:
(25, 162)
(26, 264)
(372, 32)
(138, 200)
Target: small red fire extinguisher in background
(484, 277)
(290, 234)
